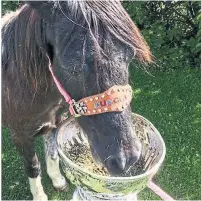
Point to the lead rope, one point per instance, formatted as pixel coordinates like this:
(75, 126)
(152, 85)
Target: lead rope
(158, 191)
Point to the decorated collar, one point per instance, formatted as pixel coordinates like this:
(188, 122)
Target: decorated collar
(115, 99)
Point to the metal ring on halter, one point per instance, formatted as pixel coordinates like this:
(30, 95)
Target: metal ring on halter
(73, 109)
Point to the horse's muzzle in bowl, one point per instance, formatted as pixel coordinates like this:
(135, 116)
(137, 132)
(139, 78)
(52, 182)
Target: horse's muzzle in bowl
(132, 181)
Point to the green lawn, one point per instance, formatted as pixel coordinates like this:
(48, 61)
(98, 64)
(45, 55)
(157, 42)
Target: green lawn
(172, 102)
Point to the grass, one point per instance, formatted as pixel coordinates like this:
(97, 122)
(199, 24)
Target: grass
(172, 102)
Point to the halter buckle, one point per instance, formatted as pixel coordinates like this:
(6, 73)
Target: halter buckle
(73, 109)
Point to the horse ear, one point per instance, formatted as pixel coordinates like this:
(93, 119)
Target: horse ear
(43, 8)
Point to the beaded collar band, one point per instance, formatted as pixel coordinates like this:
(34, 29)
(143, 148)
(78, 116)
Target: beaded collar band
(115, 99)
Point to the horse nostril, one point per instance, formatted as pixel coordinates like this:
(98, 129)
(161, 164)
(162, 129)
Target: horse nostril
(134, 158)
(132, 161)
(115, 165)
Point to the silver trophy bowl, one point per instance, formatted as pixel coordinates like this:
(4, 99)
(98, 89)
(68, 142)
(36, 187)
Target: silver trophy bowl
(98, 187)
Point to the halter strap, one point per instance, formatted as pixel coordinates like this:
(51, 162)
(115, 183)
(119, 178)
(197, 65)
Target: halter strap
(115, 99)
(60, 88)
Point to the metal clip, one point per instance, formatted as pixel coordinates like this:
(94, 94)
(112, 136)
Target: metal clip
(74, 109)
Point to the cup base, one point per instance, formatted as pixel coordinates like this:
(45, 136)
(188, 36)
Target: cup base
(82, 194)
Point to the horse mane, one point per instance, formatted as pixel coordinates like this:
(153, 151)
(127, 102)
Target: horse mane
(24, 47)
(24, 39)
(116, 21)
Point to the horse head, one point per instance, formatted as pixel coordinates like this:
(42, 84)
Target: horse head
(90, 45)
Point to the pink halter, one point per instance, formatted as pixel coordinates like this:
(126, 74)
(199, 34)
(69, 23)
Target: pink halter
(115, 99)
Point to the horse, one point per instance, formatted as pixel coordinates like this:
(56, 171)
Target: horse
(89, 45)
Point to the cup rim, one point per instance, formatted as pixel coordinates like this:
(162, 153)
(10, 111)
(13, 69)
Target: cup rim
(150, 172)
